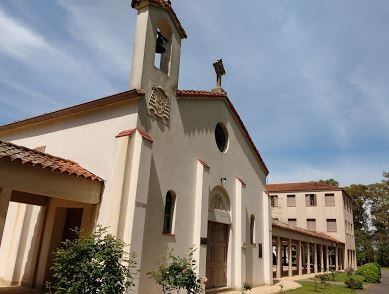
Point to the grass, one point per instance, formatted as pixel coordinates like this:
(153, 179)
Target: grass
(340, 277)
(309, 287)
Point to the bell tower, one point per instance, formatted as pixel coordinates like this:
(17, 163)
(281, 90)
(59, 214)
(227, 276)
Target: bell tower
(157, 48)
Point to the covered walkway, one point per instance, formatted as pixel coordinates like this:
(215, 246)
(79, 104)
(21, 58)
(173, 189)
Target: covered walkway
(299, 251)
(41, 198)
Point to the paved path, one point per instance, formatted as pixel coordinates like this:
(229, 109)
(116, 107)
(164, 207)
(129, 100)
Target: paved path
(383, 287)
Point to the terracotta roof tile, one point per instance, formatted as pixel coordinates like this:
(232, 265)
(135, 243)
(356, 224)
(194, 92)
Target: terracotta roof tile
(129, 133)
(202, 94)
(276, 223)
(166, 5)
(25, 155)
(301, 187)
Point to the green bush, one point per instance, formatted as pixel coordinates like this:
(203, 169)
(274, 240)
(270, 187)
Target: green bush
(354, 282)
(95, 263)
(175, 273)
(370, 272)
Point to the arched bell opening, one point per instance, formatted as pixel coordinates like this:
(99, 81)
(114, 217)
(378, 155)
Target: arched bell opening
(163, 47)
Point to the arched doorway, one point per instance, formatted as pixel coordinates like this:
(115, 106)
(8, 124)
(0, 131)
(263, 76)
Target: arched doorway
(219, 221)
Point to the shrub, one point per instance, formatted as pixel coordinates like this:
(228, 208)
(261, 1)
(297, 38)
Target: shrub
(175, 273)
(354, 282)
(95, 263)
(370, 272)
(246, 287)
(349, 271)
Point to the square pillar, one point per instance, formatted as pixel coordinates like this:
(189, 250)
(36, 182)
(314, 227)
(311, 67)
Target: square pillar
(200, 222)
(321, 259)
(299, 260)
(238, 224)
(336, 258)
(327, 259)
(315, 258)
(303, 256)
(5, 196)
(308, 258)
(290, 272)
(279, 259)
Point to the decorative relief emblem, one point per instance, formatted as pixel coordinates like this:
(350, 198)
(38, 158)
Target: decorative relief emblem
(219, 203)
(159, 103)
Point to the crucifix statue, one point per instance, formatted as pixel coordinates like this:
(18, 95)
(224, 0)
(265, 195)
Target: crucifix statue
(220, 71)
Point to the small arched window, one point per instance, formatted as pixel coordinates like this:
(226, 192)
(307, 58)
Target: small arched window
(252, 229)
(168, 217)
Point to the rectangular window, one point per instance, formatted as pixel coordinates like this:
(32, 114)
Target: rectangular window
(352, 231)
(292, 222)
(310, 199)
(291, 200)
(331, 225)
(311, 224)
(274, 200)
(330, 199)
(346, 227)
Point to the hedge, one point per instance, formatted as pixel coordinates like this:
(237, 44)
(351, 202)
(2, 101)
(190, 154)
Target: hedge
(354, 282)
(370, 272)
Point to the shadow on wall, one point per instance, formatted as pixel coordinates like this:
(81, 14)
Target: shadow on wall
(155, 244)
(249, 252)
(200, 121)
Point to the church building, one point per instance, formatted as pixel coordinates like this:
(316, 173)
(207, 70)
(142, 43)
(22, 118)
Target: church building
(164, 168)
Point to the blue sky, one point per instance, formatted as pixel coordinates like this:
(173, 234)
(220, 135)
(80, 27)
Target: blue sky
(310, 79)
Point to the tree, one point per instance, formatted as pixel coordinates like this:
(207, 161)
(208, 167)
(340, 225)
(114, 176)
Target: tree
(331, 182)
(379, 207)
(95, 263)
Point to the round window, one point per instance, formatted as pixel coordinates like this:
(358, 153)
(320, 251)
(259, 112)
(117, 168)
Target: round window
(221, 137)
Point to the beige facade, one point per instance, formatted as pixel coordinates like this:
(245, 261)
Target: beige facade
(322, 208)
(146, 144)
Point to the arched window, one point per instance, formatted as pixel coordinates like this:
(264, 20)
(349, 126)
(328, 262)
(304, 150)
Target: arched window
(221, 137)
(252, 229)
(168, 217)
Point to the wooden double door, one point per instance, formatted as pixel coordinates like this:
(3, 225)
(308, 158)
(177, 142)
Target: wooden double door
(217, 249)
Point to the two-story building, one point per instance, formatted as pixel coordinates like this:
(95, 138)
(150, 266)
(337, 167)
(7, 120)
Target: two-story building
(320, 211)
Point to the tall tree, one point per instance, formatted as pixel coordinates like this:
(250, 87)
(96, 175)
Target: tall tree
(379, 208)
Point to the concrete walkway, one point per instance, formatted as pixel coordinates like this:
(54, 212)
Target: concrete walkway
(287, 283)
(383, 287)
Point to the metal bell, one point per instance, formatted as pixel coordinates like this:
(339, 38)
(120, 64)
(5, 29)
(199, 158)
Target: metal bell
(160, 49)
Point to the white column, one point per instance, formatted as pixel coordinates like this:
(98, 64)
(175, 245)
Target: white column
(308, 258)
(321, 258)
(304, 257)
(135, 197)
(290, 272)
(315, 258)
(267, 245)
(200, 223)
(112, 200)
(5, 196)
(279, 259)
(299, 261)
(237, 231)
(327, 259)
(336, 258)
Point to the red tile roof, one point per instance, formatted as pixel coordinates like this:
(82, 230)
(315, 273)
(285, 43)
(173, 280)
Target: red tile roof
(116, 98)
(166, 5)
(320, 235)
(201, 94)
(301, 187)
(129, 132)
(36, 158)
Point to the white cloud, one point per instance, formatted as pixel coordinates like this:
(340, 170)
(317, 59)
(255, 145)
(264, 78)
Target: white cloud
(19, 41)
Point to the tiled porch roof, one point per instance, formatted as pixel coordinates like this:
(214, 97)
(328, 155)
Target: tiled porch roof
(31, 157)
(284, 226)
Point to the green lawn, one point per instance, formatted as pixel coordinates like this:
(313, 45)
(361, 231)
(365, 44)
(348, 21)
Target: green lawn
(309, 287)
(340, 277)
